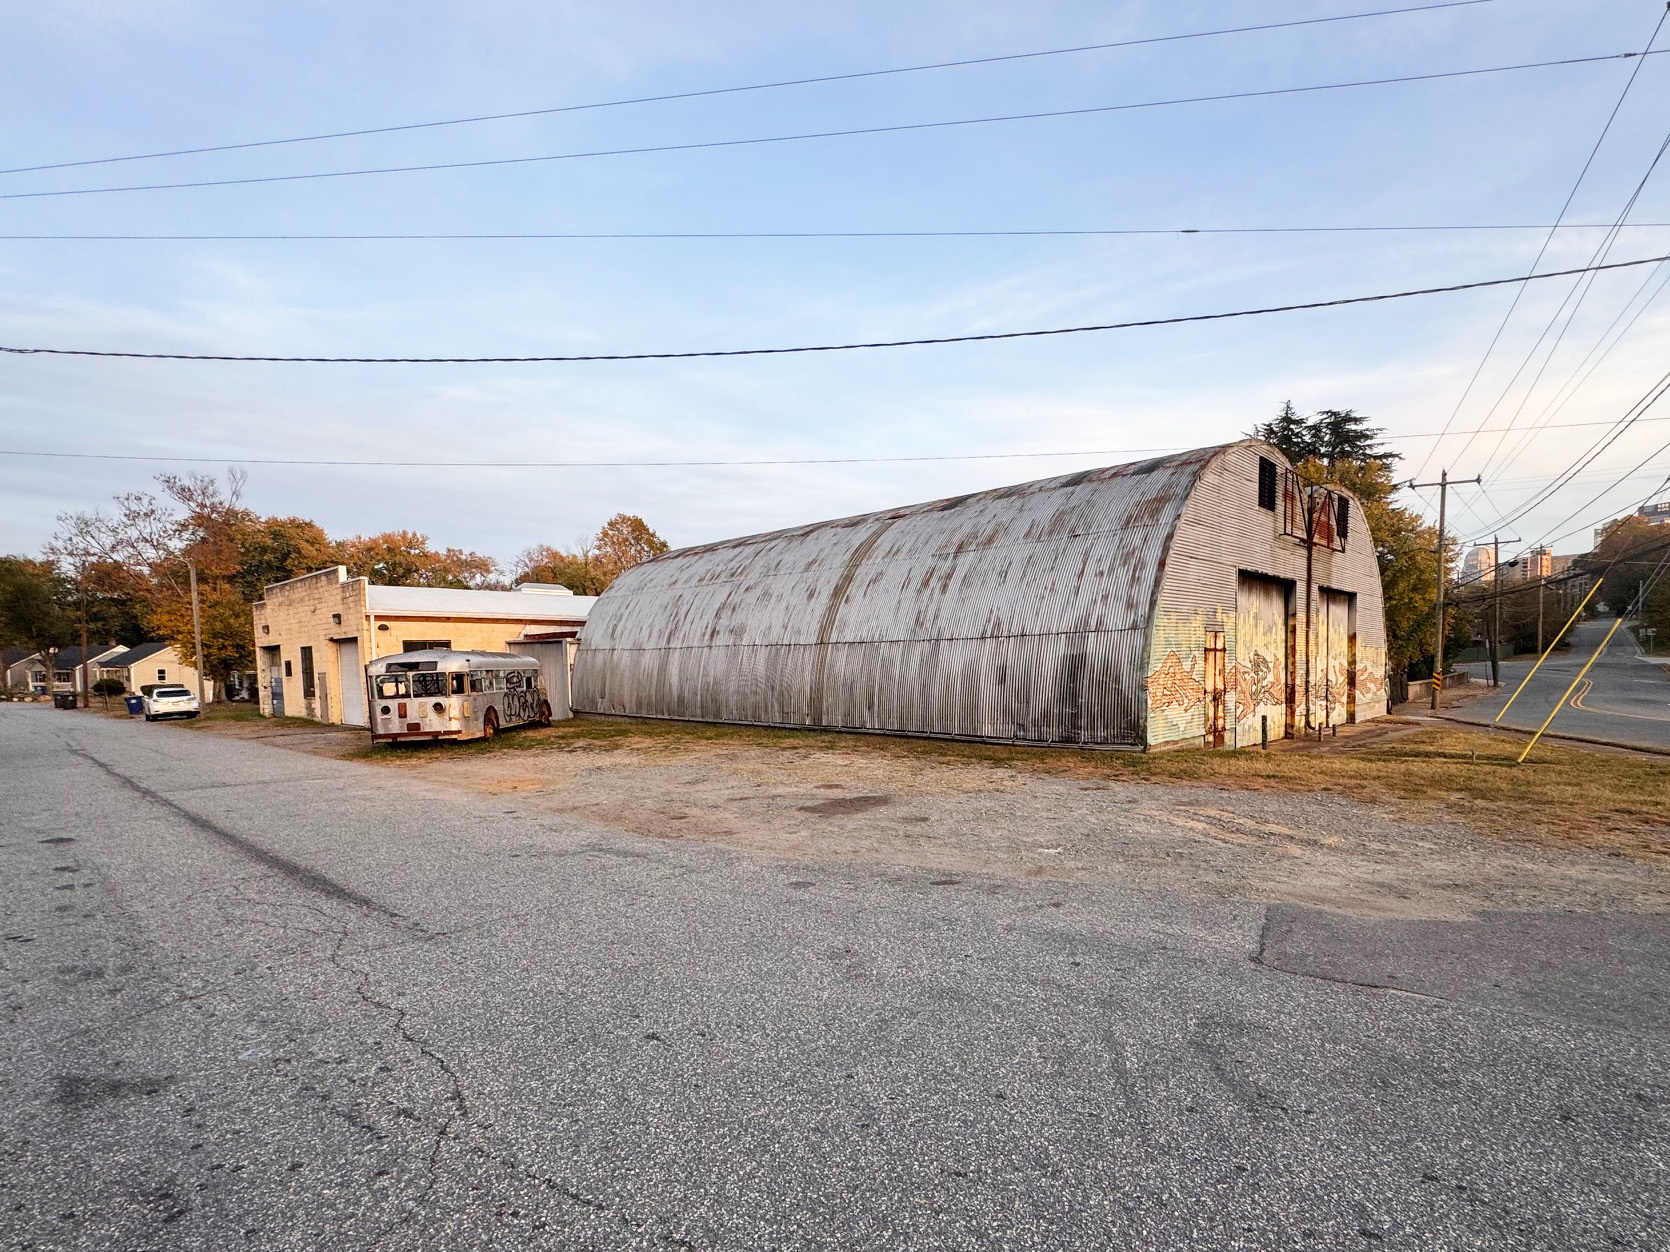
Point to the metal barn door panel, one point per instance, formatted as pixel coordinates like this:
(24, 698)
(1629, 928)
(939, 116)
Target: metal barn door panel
(1336, 668)
(1259, 676)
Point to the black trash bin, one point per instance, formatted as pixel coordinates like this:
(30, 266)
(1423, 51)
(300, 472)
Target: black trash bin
(63, 699)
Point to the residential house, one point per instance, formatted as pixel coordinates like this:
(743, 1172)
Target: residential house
(150, 664)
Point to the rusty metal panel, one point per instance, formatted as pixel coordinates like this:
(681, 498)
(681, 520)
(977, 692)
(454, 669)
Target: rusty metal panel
(1016, 614)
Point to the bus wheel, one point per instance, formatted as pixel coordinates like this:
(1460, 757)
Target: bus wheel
(489, 724)
(544, 713)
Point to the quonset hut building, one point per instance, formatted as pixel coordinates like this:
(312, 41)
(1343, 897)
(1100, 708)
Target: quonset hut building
(1203, 598)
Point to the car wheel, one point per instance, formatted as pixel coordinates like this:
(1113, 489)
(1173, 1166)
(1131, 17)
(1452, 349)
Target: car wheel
(489, 724)
(544, 713)
(191, 715)
(149, 718)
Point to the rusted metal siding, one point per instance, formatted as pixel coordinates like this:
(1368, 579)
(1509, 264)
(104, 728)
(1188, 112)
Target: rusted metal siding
(1222, 534)
(1016, 614)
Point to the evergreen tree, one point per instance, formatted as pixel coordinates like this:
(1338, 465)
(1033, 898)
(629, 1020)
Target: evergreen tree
(1289, 432)
(1345, 435)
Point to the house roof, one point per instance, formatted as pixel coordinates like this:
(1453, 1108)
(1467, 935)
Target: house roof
(449, 602)
(133, 656)
(69, 658)
(11, 656)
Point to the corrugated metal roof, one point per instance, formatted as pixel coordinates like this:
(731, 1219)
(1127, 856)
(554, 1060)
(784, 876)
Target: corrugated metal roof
(454, 602)
(1017, 613)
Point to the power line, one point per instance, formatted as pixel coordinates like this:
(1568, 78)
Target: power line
(829, 134)
(450, 464)
(1559, 217)
(1576, 296)
(523, 464)
(832, 347)
(837, 234)
(725, 91)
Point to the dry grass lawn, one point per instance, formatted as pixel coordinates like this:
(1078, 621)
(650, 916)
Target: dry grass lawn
(1560, 796)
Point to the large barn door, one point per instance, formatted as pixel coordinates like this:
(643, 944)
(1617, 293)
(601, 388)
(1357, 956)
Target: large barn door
(1337, 668)
(1260, 673)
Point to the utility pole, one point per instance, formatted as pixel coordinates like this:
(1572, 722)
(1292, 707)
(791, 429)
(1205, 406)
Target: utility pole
(197, 634)
(1496, 628)
(81, 599)
(1443, 485)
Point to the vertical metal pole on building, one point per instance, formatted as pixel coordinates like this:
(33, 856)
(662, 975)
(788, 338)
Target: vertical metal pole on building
(1264, 731)
(197, 634)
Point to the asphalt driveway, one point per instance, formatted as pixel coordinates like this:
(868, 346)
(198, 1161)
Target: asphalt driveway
(261, 1000)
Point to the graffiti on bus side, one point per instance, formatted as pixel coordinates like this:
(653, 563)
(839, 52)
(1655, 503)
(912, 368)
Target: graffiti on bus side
(520, 706)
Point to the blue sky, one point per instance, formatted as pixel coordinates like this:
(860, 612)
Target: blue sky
(91, 80)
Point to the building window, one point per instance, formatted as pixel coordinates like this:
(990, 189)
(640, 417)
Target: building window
(420, 645)
(287, 672)
(307, 674)
(162, 675)
(1266, 483)
(1342, 518)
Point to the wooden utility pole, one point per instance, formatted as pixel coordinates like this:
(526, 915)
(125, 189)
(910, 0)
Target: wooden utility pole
(1496, 627)
(1443, 485)
(81, 599)
(197, 633)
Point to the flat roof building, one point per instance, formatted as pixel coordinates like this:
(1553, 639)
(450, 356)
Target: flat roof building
(315, 634)
(1170, 601)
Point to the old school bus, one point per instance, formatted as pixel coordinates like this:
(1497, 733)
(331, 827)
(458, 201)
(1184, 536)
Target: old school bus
(436, 693)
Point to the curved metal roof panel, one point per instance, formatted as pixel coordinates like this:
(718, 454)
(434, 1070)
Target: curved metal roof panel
(1016, 613)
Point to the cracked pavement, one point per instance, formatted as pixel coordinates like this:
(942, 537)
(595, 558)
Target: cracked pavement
(255, 999)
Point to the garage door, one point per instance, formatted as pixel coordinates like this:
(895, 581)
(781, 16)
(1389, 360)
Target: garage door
(1259, 676)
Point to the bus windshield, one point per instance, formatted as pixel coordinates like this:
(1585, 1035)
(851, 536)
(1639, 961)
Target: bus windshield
(391, 686)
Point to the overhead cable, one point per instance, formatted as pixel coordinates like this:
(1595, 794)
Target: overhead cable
(830, 347)
(848, 132)
(1571, 195)
(833, 234)
(233, 458)
(767, 86)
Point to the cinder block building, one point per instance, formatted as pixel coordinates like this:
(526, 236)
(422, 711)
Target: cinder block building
(315, 634)
(1205, 598)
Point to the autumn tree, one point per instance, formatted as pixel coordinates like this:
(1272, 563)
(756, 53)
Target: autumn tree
(33, 606)
(623, 541)
(1342, 447)
(403, 558)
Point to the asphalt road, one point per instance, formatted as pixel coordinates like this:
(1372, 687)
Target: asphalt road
(262, 1000)
(1625, 697)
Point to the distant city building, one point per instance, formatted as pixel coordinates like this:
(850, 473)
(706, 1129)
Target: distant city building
(1478, 563)
(1535, 564)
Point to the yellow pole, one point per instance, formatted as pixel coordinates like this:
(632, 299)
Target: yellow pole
(1619, 622)
(1554, 644)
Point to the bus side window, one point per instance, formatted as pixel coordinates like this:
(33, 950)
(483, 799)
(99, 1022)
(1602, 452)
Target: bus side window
(458, 684)
(513, 681)
(475, 682)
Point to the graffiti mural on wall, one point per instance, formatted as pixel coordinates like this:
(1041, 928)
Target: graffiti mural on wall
(1174, 685)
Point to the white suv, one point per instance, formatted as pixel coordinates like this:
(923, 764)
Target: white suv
(169, 700)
